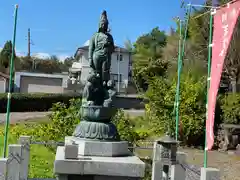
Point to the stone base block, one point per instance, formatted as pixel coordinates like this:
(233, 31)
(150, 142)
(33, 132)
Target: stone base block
(209, 173)
(93, 177)
(99, 148)
(71, 151)
(129, 167)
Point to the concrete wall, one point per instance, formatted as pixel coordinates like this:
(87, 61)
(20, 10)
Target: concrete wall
(129, 102)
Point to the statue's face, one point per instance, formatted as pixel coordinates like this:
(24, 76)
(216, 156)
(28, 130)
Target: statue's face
(104, 26)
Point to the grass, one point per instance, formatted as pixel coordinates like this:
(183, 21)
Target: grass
(41, 158)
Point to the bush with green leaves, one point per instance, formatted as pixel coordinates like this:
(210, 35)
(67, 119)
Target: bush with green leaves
(63, 121)
(230, 105)
(126, 128)
(192, 111)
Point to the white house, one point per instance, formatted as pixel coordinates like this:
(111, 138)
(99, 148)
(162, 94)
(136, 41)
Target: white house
(120, 65)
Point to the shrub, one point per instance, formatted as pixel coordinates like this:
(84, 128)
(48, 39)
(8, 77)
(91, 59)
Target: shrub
(63, 121)
(21, 102)
(161, 96)
(230, 108)
(126, 128)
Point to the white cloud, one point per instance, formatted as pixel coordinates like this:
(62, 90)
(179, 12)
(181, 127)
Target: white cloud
(62, 57)
(41, 55)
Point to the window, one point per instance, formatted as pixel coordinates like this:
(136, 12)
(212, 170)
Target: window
(114, 77)
(119, 57)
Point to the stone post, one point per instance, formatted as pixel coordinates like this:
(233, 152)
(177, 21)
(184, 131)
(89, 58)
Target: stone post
(164, 157)
(14, 161)
(210, 174)
(177, 171)
(25, 142)
(156, 165)
(3, 169)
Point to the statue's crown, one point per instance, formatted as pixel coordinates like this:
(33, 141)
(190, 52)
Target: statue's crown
(104, 17)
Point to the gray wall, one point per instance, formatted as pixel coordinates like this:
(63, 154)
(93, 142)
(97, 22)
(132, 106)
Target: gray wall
(129, 102)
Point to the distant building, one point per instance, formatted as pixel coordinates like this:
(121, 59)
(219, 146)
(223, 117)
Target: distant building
(120, 65)
(26, 82)
(4, 81)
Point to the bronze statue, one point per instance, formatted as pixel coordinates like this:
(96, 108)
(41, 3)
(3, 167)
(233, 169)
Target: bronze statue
(98, 97)
(101, 47)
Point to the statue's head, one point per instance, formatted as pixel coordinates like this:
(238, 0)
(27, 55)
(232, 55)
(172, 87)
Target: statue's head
(103, 24)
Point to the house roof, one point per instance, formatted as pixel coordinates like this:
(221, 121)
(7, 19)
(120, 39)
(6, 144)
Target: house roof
(4, 75)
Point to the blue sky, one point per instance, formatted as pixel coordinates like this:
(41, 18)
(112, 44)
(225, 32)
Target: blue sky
(59, 27)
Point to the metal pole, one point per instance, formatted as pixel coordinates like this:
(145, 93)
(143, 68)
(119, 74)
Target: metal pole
(186, 30)
(180, 64)
(118, 61)
(10, 84)
(208, 81)
(178, 80)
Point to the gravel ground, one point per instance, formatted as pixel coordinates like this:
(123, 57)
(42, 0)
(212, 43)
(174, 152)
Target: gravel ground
(24, 116)
(228, 163)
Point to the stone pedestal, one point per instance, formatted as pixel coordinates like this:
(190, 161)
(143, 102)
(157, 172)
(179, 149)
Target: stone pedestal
(97, 160)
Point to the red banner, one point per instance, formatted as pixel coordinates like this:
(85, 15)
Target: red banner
(224, 22)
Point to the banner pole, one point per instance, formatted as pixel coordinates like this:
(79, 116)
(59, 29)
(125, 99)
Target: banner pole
(181, 52)
(208, 83)
(10, 84)
(178, 80)
(186, 29)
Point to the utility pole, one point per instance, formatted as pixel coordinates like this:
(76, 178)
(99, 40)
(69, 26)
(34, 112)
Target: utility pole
(118, 67)
(29, 43)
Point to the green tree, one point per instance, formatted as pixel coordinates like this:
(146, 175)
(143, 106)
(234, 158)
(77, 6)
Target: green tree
(128, 45)
(67, 63)
(147, 61)
(25, 63)
(5, 55)
(232, 60)
(161, 93)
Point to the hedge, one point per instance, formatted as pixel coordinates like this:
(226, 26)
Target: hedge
(26, 102)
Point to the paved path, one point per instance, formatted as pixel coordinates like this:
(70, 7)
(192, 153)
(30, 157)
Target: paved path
(20, 116)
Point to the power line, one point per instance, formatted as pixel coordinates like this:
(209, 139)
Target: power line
(212, 7)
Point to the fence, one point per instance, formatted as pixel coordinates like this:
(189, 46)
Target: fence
(15, 166)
